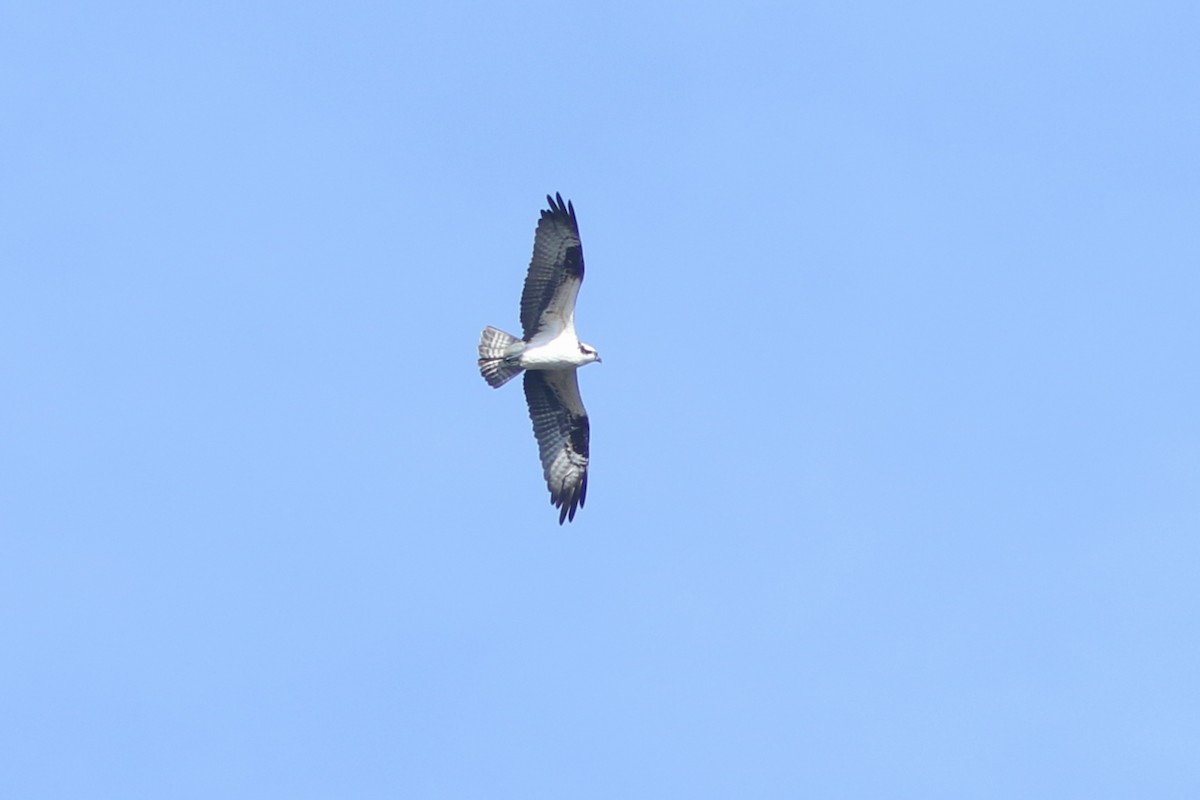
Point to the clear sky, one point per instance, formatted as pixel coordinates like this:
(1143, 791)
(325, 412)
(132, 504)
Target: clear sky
(896, 442)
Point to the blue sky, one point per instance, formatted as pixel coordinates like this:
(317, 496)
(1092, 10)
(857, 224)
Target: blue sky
(895, 443)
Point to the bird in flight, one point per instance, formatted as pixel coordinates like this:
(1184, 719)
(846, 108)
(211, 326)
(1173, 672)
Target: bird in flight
(549, 353)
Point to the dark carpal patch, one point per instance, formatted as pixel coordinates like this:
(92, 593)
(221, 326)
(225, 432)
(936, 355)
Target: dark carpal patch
(573, 261)
(580, 434)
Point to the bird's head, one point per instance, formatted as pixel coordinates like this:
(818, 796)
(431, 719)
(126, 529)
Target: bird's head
(589, 353)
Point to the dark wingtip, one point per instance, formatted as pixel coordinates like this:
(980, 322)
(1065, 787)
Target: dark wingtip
(558, 206)
(568, 504)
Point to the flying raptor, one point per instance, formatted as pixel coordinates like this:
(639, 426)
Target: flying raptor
(549, 353)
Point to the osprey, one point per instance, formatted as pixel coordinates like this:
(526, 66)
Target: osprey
(549, 353)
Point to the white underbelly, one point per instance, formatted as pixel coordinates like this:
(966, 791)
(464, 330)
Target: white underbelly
(558, 353)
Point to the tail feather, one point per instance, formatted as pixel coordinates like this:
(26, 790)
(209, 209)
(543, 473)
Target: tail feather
(496, 357)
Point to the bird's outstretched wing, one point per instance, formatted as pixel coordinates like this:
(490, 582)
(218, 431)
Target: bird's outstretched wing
(560, 424)
(555, 272)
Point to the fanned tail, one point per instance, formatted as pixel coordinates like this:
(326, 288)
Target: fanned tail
(497, 357)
